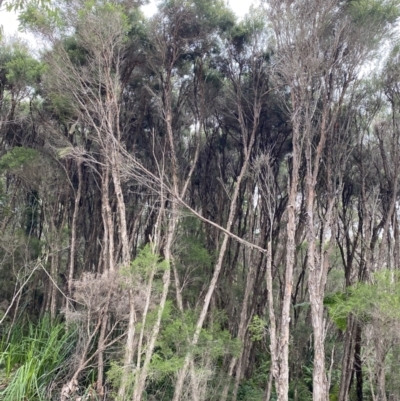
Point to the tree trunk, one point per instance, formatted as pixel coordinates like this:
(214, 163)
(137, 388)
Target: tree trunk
(347, 372)
(280, 354)
(129, 348)
(358, 364)
(217, 270)
(71, 268)
(237, 361)
(100, 358)
(142, 375)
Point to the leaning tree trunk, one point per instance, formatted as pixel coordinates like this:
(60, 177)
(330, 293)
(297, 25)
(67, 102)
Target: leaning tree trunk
(217, 270)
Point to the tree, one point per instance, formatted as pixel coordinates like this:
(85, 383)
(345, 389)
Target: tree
(320, 51)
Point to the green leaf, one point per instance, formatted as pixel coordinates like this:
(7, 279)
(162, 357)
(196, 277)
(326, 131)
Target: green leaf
(18, 158)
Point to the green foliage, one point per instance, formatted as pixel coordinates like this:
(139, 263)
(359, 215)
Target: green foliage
(301, 388)
(243, 33)
(114, 376)
(11, 5)
(172, 344)
(41, 17)
(374, 11)
(379, 299)
(23, 68)
(18, 69)
(144, 263)
(136, 22)
(337, 312)
(76, 53)
(199, 43)
(217, 343)
(257, 328)
(216, 13)
(106, 14)
(61, 105)
(192, 258)
(252, 389)
(194, 254)
(33, 358)
(18, 158)
(334, 393)
(212, 14)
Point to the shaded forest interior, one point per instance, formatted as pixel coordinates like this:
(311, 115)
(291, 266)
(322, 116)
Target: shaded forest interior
(196, 207)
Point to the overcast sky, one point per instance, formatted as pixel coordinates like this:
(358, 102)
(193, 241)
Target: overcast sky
(10, 22)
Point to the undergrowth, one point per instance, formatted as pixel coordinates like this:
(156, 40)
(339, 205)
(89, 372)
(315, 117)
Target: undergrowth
(32, 359)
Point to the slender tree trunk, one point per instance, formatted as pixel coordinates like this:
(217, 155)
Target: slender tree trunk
(244, 319)
(109, 259)
(237, 361)
(358, 364)
(56, 227)
(217, 270)
(129, 348)
(347, 371)
(268, 390)
(122, 227)
(142, 376)
(318, 257)
(100, 359)
(108, 239)
(380, 348)
(281, 353)
(139, 379)
(272, 325)
(381, 380)
(53, 274)
(71, 269)
(179, 300)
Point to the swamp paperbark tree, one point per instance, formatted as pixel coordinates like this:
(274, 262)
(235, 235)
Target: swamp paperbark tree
(321, 46)
(92, 90)
(167, 132)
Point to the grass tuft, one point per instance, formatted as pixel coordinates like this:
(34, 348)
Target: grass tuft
(33, 359)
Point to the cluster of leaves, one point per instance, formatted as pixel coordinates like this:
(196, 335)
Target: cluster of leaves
(17, 158)
(378, 299)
